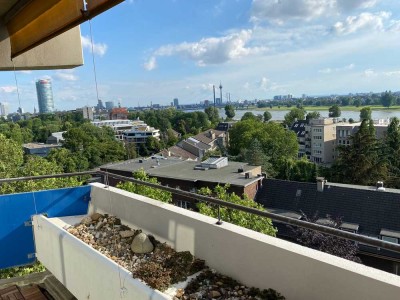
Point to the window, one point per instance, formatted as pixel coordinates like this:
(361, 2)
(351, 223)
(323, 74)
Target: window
(183, 204)
(390, 239)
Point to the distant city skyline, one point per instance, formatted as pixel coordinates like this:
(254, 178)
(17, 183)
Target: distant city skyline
(256, 48)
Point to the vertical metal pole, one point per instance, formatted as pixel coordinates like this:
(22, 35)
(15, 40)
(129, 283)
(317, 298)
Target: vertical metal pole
(219, 222)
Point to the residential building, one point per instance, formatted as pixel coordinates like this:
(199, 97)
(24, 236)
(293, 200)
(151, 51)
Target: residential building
(45, 96)
(322, 140)
(370, 211)
(39, 149)
(242, 178)
(208, 140)
(345, 130)
(88, 113)
(299, 128)
(118, 126)
(139, 133)
(119, 113)
(55, 138)
(316, 138)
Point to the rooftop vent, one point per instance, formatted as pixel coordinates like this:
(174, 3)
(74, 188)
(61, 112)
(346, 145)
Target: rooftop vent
(379, 186)
(321, 184)
(247, 175)
(240, 170)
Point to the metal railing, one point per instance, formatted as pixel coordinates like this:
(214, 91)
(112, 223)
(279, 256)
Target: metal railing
(220, 203)
(274, 217)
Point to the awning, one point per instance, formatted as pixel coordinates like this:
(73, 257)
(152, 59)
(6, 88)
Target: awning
(33, 22)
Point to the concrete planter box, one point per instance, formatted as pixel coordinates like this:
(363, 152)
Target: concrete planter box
(250, 257)
(85, 272)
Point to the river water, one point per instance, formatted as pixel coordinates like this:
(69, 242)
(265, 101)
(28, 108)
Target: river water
(279, 115)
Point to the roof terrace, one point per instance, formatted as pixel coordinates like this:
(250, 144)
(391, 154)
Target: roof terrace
(252, 258)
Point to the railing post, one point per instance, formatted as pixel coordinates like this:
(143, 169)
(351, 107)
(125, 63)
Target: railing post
(219, 222)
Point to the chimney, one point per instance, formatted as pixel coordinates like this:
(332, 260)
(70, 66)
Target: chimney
(320, 184)
(247, 175)
(211, 134)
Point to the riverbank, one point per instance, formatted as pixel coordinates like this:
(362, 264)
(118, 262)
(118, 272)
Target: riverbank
(325, 108)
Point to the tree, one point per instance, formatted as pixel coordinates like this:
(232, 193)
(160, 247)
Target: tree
(392, 151)
(293, 115)
(357, 102)
(276, 142)
(296, 170)
(313, 115)
(213, 114)
(361, 162)
(147, 191)
(267, 116)
(229, 112)
(366, 113)
(240, 218)
(334, 111)
(326, 243)
(255, 156)
(249, 116)
(387, 99)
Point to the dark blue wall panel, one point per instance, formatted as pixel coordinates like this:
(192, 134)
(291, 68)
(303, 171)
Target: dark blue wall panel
(16, 239)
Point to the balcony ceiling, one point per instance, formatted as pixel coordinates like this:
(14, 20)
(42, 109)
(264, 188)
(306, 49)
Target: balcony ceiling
(5, 6)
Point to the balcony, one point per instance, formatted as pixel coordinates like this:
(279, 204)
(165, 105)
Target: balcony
(254, 259)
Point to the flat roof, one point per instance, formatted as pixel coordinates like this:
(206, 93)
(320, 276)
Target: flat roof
(40, 145)
(179, 169)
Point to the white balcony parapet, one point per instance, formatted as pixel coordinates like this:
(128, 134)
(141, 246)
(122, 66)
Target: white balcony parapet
(253, 258)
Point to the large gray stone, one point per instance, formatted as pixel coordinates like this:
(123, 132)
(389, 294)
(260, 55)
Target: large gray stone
(142, 244)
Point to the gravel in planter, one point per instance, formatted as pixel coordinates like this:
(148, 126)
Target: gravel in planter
(164, 266)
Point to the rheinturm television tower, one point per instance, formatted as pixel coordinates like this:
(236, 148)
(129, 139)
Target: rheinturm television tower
(220, 93)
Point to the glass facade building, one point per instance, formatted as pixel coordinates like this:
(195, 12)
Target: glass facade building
(45, 96)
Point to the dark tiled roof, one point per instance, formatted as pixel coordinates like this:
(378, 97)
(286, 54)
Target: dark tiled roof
(205, 137)
(299, 128)
(372, 210)
(178, 152)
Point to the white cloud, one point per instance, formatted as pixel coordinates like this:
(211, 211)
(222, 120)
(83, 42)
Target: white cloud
(364, 21)
(264, 83)
(151, 64)
(391, 73)
(369, 73)
(8, 89)
(212, 50)
(339, 69)
(281, 10)
(98, 48)
(66, 75)
(353, 4)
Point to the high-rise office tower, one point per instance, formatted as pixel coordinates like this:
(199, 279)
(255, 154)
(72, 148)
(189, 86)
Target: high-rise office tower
(109, 105)
(176, 102)
(45, 96)
(4, 110)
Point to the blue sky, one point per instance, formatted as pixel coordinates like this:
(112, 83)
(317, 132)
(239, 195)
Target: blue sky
(156, 50)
